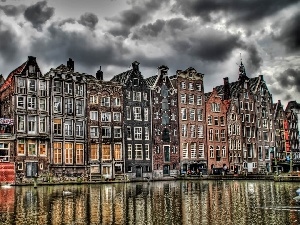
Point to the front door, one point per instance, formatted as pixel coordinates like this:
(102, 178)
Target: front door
(31, 169)
(166, 171)
(138, 171)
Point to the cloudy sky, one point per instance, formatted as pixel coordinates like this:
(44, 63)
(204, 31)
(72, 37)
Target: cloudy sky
(209, 35)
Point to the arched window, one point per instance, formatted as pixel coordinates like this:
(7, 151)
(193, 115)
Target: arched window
(165, 105)
(164, 91)
(165, 119)
(166, 135)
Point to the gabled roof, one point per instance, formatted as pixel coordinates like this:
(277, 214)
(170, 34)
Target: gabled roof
(122, 77)
(8, 80)
(150, 81)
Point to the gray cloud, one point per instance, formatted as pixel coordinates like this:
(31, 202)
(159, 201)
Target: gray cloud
(38, 14)
(290, 34)
(11, 10)
(89, 20)
(290, 78)
(254, 60)
(132, 17)
(9, 47)
(242, 11)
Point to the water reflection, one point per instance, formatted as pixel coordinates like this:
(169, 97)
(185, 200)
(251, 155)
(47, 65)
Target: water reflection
(197, 202)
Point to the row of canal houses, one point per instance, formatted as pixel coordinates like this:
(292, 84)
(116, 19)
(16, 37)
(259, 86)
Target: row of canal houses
(69, 123)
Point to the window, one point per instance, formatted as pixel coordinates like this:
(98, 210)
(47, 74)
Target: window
(32, 85)
(260, 153)
(198, 87)
(117, 116)
(217, 137)
(57, 127)
(211, 135)
(93, 99)
(128, 112)
(106, 152)
(57, 152)
(31, 102)
(105, 117)
(265, 123)
(94, 115)
(79, 128)
(185, 151)
(129, 150)
(68, 88)
(94, 132)
(69, 105)
(165, 119)
(223, 135)
(117, 132)
(106, 132)
(191, 86)
(129, 135)
(183, 114)
(216, 119)
(183, 130)
(57, 86)
(21, 86)
(182, 84)
(199, 115)
(21, 147)
(32, 124)
(215, 107)
(94, 152)
(21, 102)
(199, 100)
(43, 125)
(222, 121)
(79, 153)
(137, 113)
(69, 153)
(201, 150)
(147, 152)
(183, 98)
(42, 88)
(32, 148)
(266, 136)
(211, 152)
(138, 133)
(138, 151)
(145, 96)
(21, 123)
(191, 99)
(68, 127)
(192, 114)
(247, 118)
(193, 131)
(209, 120)
(57, 105)
(137, 96)
(42, 105)
(79, 107)
(116, 101)
(200, 131)
(135, 82)
(105, 101)
(118, 152)
(79, 89)
(193, 150)
(164, 104)
(146, 113)
(147, 133)
(218, 153)
(128, 94)
(43, 148)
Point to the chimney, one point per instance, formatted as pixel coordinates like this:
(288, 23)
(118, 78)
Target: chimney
(226, 89)
(135, 65)
(99, 74)
(70, 65)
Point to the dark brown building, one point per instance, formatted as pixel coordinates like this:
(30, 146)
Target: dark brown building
(165, 134)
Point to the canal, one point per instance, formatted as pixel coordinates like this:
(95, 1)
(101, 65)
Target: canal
(173, 202)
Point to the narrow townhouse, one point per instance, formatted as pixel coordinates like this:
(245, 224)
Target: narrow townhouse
(191, 122)
(164, 124)
(137, 123)
(104, 128)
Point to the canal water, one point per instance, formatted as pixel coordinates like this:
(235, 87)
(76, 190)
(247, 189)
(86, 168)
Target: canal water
(173, 202)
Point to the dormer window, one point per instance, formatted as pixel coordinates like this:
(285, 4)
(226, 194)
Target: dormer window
(31, 69)
(135, 81)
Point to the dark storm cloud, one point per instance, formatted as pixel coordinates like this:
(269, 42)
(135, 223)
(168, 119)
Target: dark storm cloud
(132, 17)
(254, 60)
(58, 45)
(38, 14)
(11, 10)
(9, 47)
(290, 34)
(212, 45)
(290, 78)
(243, 11)
(89, 20)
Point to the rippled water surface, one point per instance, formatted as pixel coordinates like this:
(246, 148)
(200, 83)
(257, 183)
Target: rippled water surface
(175, 202)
